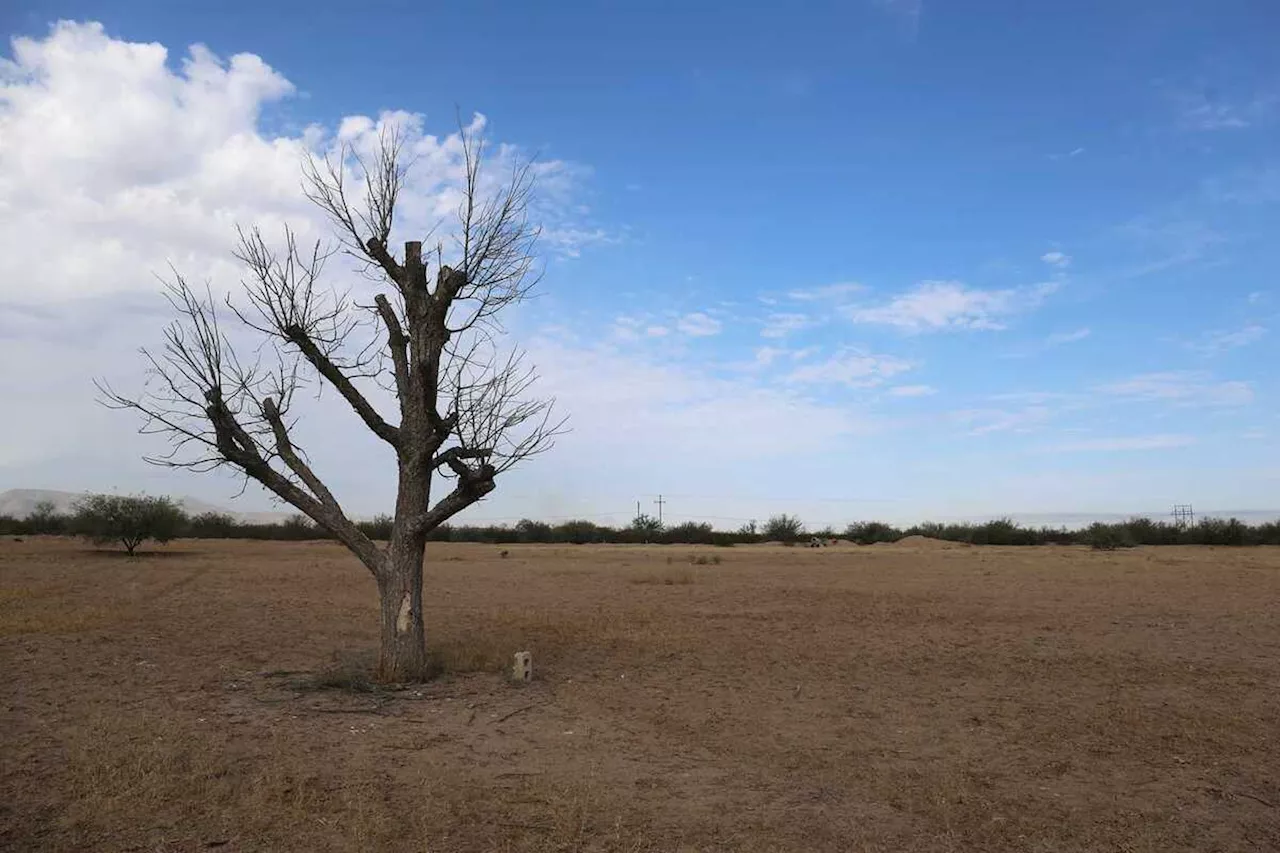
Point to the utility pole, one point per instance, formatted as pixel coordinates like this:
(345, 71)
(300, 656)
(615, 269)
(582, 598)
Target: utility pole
(659, 502)
(637, 510)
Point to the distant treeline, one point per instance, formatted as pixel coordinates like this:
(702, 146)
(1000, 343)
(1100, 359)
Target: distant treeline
(783, 528)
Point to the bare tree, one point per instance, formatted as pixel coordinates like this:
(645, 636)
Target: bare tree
(431, 338)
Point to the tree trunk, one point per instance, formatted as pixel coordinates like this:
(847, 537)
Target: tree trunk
(402, 656)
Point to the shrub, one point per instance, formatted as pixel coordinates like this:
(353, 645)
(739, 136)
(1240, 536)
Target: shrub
(212, 525)
(580, 532)
(870, 532)
(528, 530)
(689, 533)
(378, 527)
(1217, 531)
(1108, 537)
(128, 520)
(783, 528)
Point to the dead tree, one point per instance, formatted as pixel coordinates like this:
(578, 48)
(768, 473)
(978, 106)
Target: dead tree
(430, 338)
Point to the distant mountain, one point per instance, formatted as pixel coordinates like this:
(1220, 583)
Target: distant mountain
(20, 503)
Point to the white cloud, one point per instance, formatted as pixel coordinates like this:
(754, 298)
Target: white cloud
(1257, 297)
(912, 391)
(114, 164)
(657, 331)
(1135, 442)
(849, 367)
(1060, 338)
(1056, 259)
(669, 407)
(766, 356)
(698, 325)
(940, 305)
(118, 158)
(1186, 388)
(827, 292)
(1217, 342)
(781, 325)
(627, 328)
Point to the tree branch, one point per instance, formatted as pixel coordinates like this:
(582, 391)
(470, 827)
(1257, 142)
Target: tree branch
(397, 342)
(297, 336)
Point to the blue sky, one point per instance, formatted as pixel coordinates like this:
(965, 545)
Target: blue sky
(869, 259)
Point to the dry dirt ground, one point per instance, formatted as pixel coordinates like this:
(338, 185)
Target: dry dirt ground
(889, 698)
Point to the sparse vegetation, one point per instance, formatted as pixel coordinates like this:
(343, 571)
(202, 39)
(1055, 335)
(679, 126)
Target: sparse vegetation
(1003, 531)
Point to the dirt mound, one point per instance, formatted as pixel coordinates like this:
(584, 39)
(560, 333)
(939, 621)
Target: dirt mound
(929, 543)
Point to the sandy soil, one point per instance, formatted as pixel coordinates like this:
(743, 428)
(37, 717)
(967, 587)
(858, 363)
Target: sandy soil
(905, 698)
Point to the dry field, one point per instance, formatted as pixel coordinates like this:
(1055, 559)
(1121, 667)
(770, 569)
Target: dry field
(888, 698)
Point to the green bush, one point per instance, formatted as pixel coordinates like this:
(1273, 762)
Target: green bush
(783, 528)
(1108, 537)
(129, 520)
(212, 525)
(689, 533)
(528, 530)
(1217, 531)
(871, 532)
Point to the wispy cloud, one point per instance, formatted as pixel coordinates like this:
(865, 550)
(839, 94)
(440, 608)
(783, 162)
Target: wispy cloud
(781, 325)
(1202, 110)
(765, 356)
(1167, 242)
(1184, 387)
(912, 391)
(1246, 186)
(698, 325)
(985, 421)
(826, 292)
(1057, 339)
(1056, 259)
(906, 12)
(1218, 342)
(851, 368)
(1133, 442)
(1073, 153)
(941, 305)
